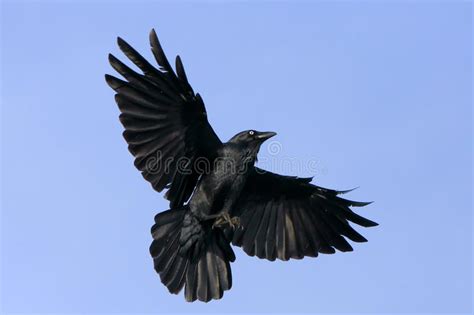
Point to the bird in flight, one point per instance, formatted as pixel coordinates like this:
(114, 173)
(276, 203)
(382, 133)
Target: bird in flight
(217, 196)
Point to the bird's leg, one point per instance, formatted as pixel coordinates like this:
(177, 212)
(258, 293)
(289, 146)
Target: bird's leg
(224, 218)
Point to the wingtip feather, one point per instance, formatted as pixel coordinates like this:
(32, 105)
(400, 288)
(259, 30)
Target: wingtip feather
(113, 82)
(361, 203)
(120, 41)
(112, 60)
(342, 192)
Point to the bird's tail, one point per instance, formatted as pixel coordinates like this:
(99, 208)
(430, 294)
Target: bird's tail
(190, 253)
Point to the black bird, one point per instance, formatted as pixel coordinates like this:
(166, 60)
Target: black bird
(217, 196)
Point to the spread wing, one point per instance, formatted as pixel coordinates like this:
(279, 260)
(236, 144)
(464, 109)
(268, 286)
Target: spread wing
(165, 122)
(287, 217)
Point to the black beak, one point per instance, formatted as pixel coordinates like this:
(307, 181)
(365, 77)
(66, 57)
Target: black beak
(265, 135)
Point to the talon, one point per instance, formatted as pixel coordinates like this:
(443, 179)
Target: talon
(224, 219)
(235, 222)
(218, 222)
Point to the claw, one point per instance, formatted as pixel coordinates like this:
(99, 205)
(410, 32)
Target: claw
(235, 222)
(225, 219)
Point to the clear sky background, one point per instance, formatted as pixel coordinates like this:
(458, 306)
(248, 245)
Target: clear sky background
(376, 94)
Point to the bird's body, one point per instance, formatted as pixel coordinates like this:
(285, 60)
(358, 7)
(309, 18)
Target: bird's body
(217, 196)
(221, 184)
(217, 189)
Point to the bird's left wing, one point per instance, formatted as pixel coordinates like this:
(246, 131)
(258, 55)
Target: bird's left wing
(165, 122)
(287, 217)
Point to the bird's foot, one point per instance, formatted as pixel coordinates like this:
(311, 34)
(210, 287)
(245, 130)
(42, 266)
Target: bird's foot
(225, 219)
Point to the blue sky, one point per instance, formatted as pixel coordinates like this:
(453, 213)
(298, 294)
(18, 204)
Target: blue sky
(376, 94)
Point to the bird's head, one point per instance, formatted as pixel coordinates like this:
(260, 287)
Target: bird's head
(251, 140)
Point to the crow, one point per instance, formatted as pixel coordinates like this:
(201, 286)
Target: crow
(217, 195)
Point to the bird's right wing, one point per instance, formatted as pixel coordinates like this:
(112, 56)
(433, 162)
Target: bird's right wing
(165, 122)
(288, 217)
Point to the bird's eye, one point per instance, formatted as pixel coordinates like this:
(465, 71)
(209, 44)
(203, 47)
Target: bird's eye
(251, 132)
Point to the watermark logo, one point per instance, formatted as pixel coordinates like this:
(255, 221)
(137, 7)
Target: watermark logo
(273, 158)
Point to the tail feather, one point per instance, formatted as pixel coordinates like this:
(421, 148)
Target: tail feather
(191, 255)
(210, 275)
